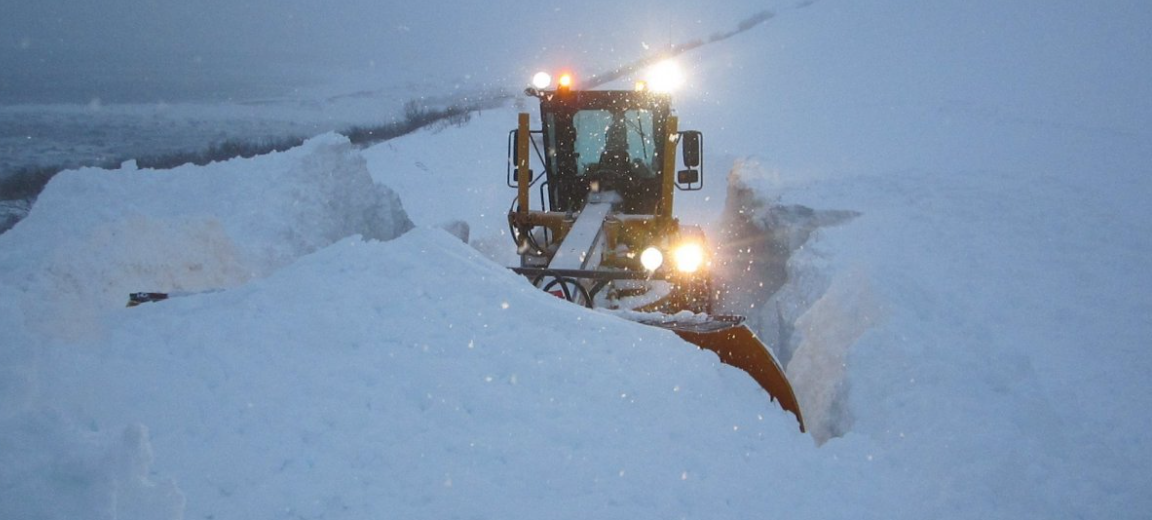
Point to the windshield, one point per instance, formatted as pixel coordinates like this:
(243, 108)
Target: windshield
(616, 141)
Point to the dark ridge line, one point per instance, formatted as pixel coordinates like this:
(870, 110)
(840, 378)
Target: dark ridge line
(675, 50)
(27, 182)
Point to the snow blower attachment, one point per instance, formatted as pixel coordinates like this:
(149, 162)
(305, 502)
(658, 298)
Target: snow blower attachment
(604, 235)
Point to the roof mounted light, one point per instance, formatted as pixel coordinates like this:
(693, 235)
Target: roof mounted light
(664, 77)
(565, 81)
(542, 80)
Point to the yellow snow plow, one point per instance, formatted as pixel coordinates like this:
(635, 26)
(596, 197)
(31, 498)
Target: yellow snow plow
(593, 222)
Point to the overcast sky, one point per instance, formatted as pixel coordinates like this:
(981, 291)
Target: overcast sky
(497, 41)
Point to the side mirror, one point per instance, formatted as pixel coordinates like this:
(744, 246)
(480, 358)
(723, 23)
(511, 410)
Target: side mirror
(691, 178)
(687, 177)
(512, 176)
(693, 148)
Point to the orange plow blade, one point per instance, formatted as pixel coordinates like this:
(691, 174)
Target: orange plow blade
(739, 347)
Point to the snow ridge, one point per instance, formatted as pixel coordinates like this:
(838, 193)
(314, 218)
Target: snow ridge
(771, 272)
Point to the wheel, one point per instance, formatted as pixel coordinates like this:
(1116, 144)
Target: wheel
(569, 289)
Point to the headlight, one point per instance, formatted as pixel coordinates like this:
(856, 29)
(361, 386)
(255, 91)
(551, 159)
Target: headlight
(542, 80)
(665, 77)
(689, 257)
(651, 258)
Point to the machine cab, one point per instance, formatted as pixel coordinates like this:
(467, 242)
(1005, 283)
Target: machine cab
(621, 144)
(603, 141)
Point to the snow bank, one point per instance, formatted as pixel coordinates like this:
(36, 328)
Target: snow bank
(95, 235)
(413, 378)
(770, 270)
(970, 330)
(997, 157)
(455, 175)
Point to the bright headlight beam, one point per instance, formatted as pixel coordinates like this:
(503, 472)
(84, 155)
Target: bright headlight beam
(689, 257)
(541, 80)
(665, 77)
(651, 258)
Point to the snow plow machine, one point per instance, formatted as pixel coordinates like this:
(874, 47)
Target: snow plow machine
(593, 219)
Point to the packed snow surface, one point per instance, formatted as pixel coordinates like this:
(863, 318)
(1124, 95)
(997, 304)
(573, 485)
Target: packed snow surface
(935, 214)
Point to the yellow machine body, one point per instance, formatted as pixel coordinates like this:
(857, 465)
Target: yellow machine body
(593, 222)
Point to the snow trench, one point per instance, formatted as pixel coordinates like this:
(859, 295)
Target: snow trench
(770, 270)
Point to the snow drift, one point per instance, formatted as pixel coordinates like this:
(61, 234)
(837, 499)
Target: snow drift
(415, 378)
(93, 237)
(96, 235)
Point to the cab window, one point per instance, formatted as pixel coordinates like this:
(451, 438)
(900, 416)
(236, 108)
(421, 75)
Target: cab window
(625, 138)
(591, 137)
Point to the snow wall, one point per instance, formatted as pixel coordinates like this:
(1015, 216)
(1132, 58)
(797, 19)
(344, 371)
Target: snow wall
(94, 237)
(97, 235)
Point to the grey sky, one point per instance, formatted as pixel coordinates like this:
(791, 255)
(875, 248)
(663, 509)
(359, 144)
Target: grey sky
(78, 41)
